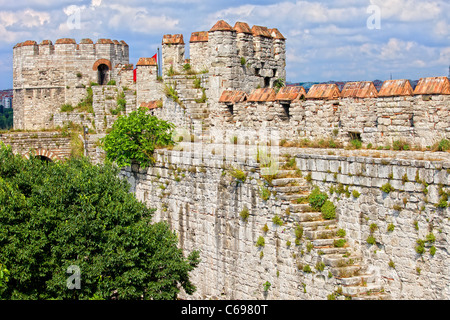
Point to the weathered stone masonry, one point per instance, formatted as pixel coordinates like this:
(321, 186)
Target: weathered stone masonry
(202, 202)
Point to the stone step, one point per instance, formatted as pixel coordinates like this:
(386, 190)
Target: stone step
(373, 296)
(292, 189)
(325, 251)
(292, 181)
(307, 216)
(347, 271)
(287, 174)
(316, 224)
(357, 280)
(290, 197)
(337, 260)
(301, 207)
(319, 234)
(361, 290)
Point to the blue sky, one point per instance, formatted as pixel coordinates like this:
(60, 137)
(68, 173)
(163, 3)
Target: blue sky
(326, 40)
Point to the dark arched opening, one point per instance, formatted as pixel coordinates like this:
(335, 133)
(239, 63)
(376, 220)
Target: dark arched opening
(44, 158)
(102, 74)
(266, 82)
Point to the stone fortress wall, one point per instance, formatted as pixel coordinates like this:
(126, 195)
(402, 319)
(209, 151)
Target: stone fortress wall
(230, 93)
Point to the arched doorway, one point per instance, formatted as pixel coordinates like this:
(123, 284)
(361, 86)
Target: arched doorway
(103, 68)
(102, 74)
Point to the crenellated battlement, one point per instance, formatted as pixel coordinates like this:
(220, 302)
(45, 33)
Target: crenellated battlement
(243, 57)
(68, 46)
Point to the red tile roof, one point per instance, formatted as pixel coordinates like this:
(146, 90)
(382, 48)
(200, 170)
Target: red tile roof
(46, 43)
(259, 31)
(363, 89)
(262, 95)
(436, 85)
(242, 27)
(146, 62)
(86, 41)
(104, 41)
(276, 34)
(173, 39)
(323, 91)
(65, 41)
(221, 26)
(201, 36)
(151, 104)
(123, 43)
(290, 93)
(392, 88)
(230, 96)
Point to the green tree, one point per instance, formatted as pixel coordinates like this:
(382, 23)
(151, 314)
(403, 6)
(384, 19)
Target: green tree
(134, 138)
(61, 214)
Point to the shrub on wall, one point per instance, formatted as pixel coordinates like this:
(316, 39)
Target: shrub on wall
(328, 210)
(317, 198)
(134, 138)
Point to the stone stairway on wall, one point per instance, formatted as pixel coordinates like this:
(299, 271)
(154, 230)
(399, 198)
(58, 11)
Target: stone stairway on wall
(191, 96)
(353, 277)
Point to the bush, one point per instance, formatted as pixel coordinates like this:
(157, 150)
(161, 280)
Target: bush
(317, 198)
(54, 215)
(135, 137)
(111, 83)
(328, 210)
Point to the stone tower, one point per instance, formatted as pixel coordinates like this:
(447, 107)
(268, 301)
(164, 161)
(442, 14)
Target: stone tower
(47, 76)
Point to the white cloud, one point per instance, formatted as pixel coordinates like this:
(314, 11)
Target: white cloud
(409, 10)
(139, 20)
(27, 18)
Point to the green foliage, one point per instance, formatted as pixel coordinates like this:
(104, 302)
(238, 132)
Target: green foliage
(356, 143)
(355, 194)
(260, 242)
(277, 220)
(317, 198)
(386, 188)
(67, 107)
(264, 193)
(278, 84)
(134, 138)
(244, 214)
(443, 145)
(243, 61)
(328, 210)
(6, 118)
(390, 227)
(54, 215)
(433, 250)
(371, 240)
(266, 286)
(238, 174)
(307, 268)
(197, 83)
(341, 233)
(339, 243)
(111, 83)
(320, 266)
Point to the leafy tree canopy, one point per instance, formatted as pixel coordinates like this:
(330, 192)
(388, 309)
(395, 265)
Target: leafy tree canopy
(135, 136)
(73, 213)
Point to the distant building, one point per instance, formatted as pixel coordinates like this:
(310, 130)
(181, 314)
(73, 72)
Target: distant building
(7, 102)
